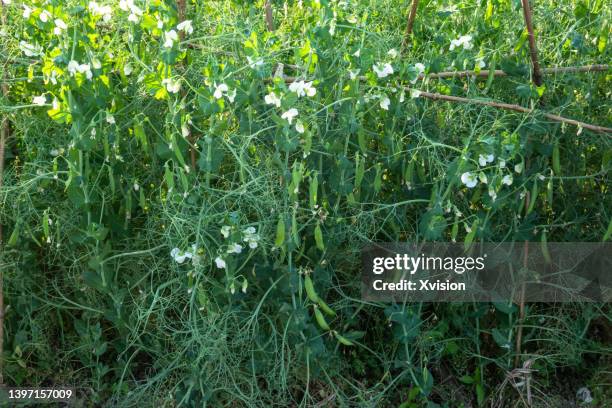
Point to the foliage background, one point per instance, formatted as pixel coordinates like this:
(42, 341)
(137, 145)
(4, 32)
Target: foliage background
(100, 185)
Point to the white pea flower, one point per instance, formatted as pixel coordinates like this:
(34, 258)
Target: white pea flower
(135, 11)
(302, 88)
(272, 99)
(583, 395)
(59, 26)
(469, 179)
(172, 86)
(254, 63)
(385, 102)
(383, 71)
(7, 2)
(392, 53)
(507, 180)
(180, 256)
(54, 152)
(27, 11)
(105, 11)
(249, 231)
(492, 194)
(484, 159)
(220, 263)
(235, 249)
(299, 126)
(415, 93)
(502, 164)
(419, 67)
(73, 67)
(353, 74)
(44, 16)
(357, 53)
(518, 168)
(185, 26)
(39, 100)
(110, 119)
(185, 130)
(170, 37)
(85, 69)
(127, 69)
(96, 63)
(480, 63)
(464, 40)
(160, 23)
(30, 50)
(220, 89)
(225, 231)
(231, 95)
(289, 115)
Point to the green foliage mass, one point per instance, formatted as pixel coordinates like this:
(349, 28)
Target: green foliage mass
(183, 225)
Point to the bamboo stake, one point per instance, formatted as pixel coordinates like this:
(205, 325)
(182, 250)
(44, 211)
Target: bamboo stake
(269, 17)
(516, 108)
(519, 334)
(4, 134)
(499, 73)
(537, 74)
(411, 17)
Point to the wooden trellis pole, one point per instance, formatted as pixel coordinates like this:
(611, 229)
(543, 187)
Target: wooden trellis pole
(537, 74)
(4, 134)
(410, 24)
(269, 16)
(516, 108)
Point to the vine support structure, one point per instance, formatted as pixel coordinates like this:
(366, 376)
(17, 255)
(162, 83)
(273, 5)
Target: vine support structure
(269, 17)
(537, 74)
(4, 134)
(516, 108)
(410, 24)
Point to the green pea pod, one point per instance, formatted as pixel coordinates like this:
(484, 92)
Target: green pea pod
(533, 197)
(470, 236)
(549, 192)
(320, 318)
(314, 187)
(455, 229)
(328, 310)
(378, 178)
(544, 246)
(12, 241)
(310, 290)
(556, 161)
(45, 222)
(359, 170)
(319, 237)
(608, 233)
(280, 233)
(169, 177)
(343, 340)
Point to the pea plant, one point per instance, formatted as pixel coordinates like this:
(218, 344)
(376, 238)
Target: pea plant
(186, 187)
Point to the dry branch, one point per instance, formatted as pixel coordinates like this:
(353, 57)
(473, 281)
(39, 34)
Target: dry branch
(269, 17)
(410, 24)
(4, 134)
(537, 74)
(516, 108)
(497, 72)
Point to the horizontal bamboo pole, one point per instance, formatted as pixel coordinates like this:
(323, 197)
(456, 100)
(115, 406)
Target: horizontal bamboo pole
(516, 108)
(498, 72)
